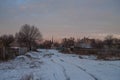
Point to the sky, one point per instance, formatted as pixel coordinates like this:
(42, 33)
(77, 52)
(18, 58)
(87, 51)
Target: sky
(62, 18)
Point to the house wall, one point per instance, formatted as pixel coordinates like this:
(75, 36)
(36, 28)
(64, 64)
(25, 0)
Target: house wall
(22, 50)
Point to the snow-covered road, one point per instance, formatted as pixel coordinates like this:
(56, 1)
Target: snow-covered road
(52, 65)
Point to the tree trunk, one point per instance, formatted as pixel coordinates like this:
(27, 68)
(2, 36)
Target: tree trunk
(4, 53)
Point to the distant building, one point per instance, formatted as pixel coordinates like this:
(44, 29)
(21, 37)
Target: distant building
(21, 50)
(52, 44)
(84, 43)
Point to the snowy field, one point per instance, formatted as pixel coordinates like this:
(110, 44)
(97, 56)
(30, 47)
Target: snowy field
(52, 65)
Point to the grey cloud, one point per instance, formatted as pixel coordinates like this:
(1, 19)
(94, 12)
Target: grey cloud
(60, 15)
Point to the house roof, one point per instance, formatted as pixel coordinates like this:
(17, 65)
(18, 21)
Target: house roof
(15, 44)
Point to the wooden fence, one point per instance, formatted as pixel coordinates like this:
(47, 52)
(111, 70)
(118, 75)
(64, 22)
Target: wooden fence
(11, 53)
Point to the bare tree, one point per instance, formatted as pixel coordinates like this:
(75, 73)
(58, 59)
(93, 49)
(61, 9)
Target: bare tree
(6, 40)
(68, 42)
(28, 35)
(109, 40)
(47, 44)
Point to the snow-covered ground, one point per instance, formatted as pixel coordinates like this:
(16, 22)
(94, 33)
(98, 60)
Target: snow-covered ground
(52, 65)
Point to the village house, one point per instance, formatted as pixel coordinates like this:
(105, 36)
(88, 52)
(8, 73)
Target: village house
(20, 49)
(84, 43)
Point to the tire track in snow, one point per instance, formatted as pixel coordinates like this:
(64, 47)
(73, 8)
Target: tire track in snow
(54, 76)
(95, 78)
(64, 70)
(114, 65)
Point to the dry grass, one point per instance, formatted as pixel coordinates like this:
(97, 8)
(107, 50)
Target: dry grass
(101, 54)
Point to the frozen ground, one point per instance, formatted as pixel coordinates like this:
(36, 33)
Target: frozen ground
(52, 65)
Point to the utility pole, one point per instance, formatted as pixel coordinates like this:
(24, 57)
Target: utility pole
(52, 45)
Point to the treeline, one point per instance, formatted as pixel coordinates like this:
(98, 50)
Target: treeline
(107, 49)
(29, 38)
(26, 37)
(109, 42)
